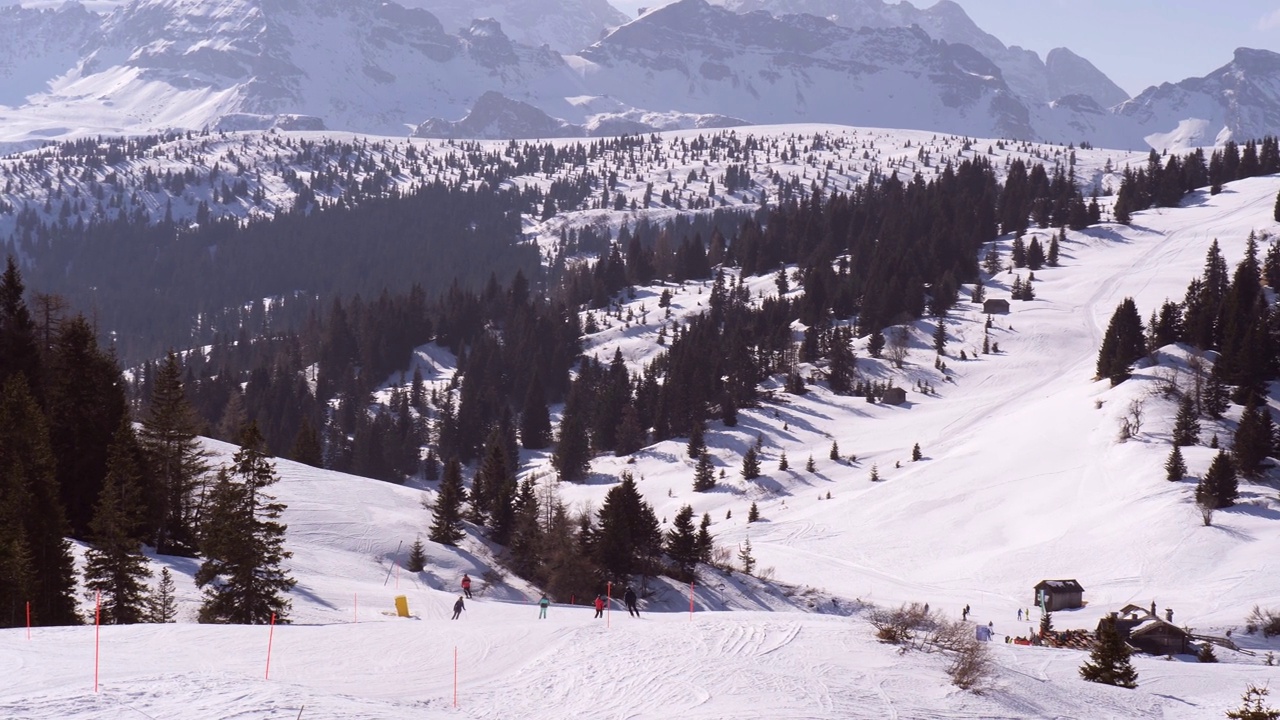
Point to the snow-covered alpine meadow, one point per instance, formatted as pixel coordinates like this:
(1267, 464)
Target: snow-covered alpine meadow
(1022, 478)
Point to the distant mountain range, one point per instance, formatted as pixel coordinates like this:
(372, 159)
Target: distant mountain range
(545, 68)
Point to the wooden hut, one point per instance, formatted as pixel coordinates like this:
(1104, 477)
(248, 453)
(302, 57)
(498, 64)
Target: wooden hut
(995, 306)
(1059, 594)
(1149, 634)
(894, 396)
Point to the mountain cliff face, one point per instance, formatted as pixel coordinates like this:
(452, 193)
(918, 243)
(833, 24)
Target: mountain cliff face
(565, 26)
(350, 64)
(36, 45)
(1241, 100)
(1027, 75)
(800, 68)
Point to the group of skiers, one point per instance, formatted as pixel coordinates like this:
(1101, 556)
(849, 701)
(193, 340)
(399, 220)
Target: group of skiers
(628, 597)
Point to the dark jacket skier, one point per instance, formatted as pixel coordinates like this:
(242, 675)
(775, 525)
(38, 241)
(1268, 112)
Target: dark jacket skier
(629, 597)
(458, 608)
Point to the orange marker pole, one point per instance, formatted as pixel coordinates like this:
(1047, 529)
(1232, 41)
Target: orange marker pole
(271, 636)
(97, 633)
(28, 620)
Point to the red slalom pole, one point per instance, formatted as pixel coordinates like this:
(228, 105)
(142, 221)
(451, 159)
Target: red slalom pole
(97, 633)
(690, 601)
(28, 620)
(271, 635)
(455, 676)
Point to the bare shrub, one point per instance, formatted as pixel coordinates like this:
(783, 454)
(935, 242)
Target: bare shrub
(913, 627)
(971, 667)
(1206, 512)
(899, 343)
(900, 626)
(1268, 621)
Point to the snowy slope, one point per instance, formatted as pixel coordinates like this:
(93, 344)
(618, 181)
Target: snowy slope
(1022, 479)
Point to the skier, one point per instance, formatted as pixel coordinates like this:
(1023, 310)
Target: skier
(629, 597)
(1019, 614)
(599, 606)
(466, 585)
(543, 604)
(458, 608)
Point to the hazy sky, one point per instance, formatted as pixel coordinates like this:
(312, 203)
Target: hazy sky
(1137, 43)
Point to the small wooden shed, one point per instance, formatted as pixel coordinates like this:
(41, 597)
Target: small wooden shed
(995, 306)
(894, 396)
(1059, 594)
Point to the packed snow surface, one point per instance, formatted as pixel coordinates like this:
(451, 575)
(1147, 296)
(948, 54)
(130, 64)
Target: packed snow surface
(1022, 479)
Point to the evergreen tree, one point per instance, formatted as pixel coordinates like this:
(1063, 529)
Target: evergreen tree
(1175, 468)
(753, 513)
(535, 420)
(1186, 428)
(446, 529)
(841, 367)
(1206, 654)
(306, 446)
(1253, 439)
(704, 543)
(19, 344)
(1046, 623)
(835, 451)
(1035, 255)
(38, 555)
(915, 453)
(243, 542)
(875, 345)
(782, 462)
(1108, 663)
(697, 442)
(682, 544)
(624, 530)
(162, 605)
(526, 540)
(1254, 706)
(750, 465)
(114, 564)
(875, 474)
(704, 474)
(747, 560)
(1123, 343)
(940, 336)
(630, 435)
(808, 464)
(1055, 248)
(491, 475)
(85, 402)
(572, 457)
(417, 559)
(1219, 487)
(179, 461)
(1214, 401)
